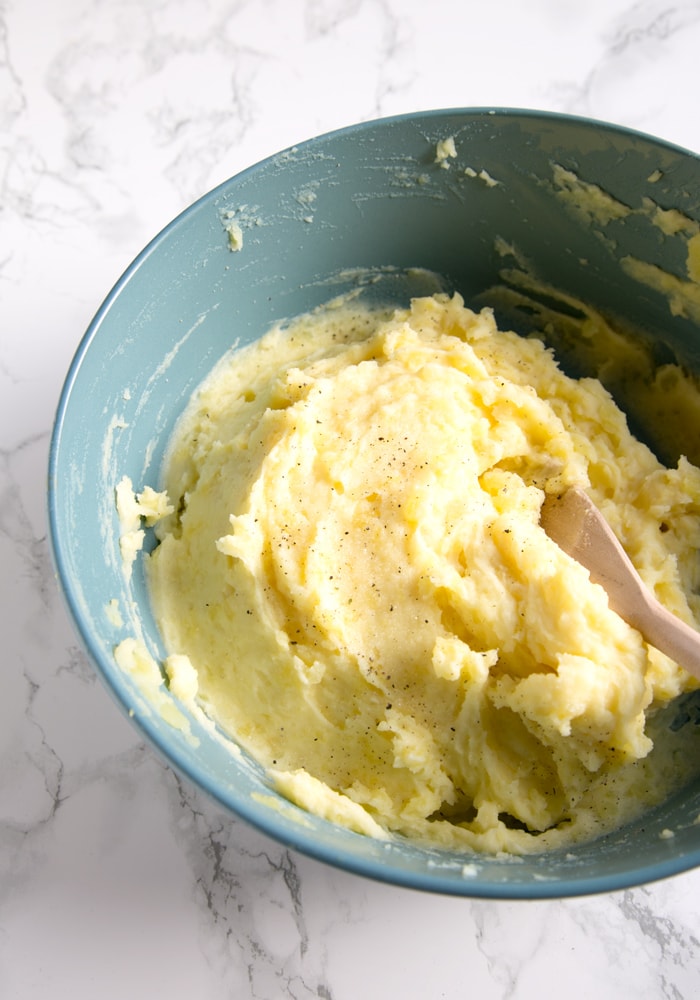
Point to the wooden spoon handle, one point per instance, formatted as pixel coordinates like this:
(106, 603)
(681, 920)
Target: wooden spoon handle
(579, 528)
(669, 634)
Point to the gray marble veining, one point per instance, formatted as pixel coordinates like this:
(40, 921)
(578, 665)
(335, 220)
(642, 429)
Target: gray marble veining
(117, 878)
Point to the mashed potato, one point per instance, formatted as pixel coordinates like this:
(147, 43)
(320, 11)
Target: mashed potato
(356, 570)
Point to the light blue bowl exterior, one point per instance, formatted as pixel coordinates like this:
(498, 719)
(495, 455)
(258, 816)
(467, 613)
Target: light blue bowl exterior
(370, 196)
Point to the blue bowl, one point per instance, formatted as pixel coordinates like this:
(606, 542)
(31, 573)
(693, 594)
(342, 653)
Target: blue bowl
(367, 205)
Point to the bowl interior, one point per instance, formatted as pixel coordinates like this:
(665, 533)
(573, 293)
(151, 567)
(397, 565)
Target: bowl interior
(368, 207)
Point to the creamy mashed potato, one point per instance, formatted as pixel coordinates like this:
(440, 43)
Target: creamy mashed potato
(355, 569)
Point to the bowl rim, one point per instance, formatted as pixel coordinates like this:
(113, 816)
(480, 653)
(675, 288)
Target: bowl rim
(271, 823)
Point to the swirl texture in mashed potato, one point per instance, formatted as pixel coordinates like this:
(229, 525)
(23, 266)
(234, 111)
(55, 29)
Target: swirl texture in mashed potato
(357, 573)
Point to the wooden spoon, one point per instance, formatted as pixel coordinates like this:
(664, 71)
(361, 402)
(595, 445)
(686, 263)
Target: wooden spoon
(572, 520)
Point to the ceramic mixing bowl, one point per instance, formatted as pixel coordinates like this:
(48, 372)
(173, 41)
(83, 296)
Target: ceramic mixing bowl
(471, 196)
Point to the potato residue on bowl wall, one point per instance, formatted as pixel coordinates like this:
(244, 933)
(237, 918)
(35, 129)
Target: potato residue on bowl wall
(662, 399)
(598, 208)
(355, 569)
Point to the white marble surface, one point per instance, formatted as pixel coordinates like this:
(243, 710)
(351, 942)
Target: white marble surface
(115, 879)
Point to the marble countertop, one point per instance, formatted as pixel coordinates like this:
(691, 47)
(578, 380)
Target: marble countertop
(116, 879)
